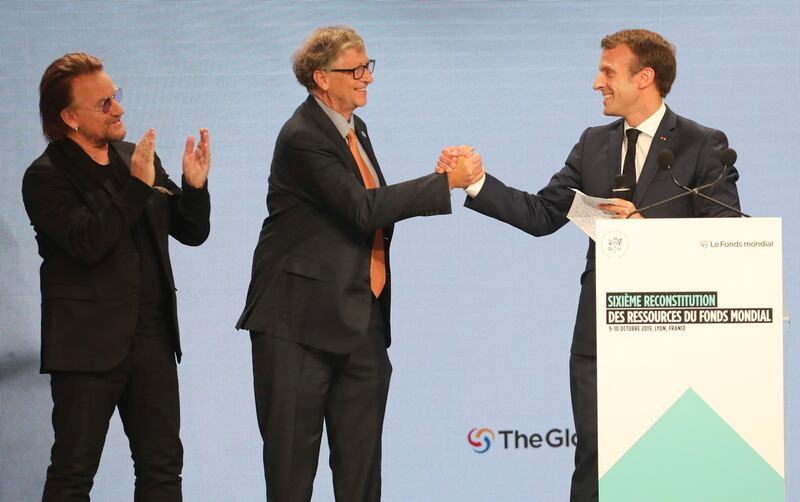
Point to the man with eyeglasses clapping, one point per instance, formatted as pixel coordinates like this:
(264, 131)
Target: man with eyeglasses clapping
(103, 210)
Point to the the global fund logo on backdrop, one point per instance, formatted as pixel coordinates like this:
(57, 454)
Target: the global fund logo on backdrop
(483, 439)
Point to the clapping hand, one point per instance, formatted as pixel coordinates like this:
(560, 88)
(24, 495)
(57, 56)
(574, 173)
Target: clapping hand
(197, 161)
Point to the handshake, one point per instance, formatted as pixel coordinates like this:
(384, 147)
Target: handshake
(462, 165)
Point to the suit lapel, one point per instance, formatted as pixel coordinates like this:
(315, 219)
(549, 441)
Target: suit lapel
(661, 141)
(363, 138)
(325, 124)
(78, 170)
(615, 153)
(126, 161)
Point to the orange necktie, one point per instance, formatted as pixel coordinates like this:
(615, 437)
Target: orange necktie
(377, 265)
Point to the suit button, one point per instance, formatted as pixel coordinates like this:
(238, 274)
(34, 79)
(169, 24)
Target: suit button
(135, 256)
(367, 279)
(135, 291)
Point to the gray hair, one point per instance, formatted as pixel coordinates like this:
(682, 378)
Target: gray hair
(321, 49)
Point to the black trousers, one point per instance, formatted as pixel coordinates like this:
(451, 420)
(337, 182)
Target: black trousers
(583, 387)
(145, 389)
(297, 388)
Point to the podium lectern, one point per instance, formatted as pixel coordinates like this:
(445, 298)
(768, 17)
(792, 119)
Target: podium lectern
(690, 360)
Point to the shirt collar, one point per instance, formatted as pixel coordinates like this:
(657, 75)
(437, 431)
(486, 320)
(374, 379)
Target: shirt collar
(342, 125)
(651, 123)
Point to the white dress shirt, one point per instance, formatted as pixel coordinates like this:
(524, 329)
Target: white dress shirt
(647, 131)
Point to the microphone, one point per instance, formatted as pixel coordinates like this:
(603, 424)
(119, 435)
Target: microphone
(666, 159)
(728, 157)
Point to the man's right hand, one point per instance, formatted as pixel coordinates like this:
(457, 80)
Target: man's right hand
(143, 159)
(450, 155)
(462, 165)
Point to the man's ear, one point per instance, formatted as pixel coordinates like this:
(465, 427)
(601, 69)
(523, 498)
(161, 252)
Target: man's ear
(646, 78)
(69, 118)
(321, 79)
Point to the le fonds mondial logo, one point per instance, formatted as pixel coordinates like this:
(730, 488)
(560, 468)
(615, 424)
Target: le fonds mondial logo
(483, 439)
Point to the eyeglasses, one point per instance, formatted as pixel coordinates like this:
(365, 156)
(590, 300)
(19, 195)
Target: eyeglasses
(105, 105)
(358, 71)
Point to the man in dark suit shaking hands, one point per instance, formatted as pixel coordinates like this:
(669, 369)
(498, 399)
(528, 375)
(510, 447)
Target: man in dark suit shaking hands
(318, 303)
(103, 210)
(637, 68)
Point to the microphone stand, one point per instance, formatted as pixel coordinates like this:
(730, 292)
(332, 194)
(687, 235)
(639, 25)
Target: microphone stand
(692, 191)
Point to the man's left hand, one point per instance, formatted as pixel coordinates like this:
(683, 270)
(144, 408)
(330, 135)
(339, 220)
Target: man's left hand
(197, 161)
(620, 208)
(450, 155)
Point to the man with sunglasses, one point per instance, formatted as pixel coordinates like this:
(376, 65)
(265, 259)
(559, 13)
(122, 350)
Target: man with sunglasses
(103, 210)
(318, 304)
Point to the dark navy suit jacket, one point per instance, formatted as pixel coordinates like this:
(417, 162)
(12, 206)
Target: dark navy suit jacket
(310, 279)
(591, 167)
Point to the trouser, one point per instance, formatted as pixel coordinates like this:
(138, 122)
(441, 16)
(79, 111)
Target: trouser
(583, 386)
(144, 387)
(297, 388)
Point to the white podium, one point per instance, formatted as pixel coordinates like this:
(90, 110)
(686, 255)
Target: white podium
(690, 360)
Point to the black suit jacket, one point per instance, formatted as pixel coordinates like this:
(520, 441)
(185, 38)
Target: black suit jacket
(591, 167)
(310, 280)
(90, 275)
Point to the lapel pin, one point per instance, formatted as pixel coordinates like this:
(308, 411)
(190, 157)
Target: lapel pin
(363, 134)
(663, 138)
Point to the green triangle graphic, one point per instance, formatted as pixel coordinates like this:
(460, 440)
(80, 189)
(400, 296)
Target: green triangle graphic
(691, 455)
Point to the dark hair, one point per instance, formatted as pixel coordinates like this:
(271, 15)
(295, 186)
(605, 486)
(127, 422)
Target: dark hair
(55, 90)
(651, 50)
